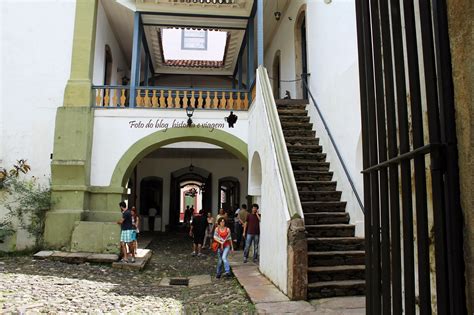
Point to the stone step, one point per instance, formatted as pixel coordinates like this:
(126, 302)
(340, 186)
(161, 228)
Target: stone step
(294, 119)
(312, 175)
(326, 218)
(305, 186)
(328, 230)
(336, 273)
(294, 101)
(334, 243)
(141, 259)
(291, 106)
(327, 289)
(310, 166)
(298, 156)
(304, 148)
(302, 140)
(299, 133)
(292, 112)
(336, 258)
(296, 126)
(320, 195)
(323, 206)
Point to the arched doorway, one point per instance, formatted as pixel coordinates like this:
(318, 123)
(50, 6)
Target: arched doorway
(255, 179)
(144, 146)
(301, 51)
(276, 74)
(189, 186)
(229, 194)
(139, 154)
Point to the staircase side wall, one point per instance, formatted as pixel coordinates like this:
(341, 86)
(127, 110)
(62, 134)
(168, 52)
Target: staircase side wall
(274, 210)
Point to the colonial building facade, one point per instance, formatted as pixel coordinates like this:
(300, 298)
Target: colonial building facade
(328, 114)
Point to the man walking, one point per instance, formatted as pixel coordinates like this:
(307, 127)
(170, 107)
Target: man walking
(240, 219)
(126, 235)
(252, 227)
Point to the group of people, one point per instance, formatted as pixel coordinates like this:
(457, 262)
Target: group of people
(129, 224)
(246, 231)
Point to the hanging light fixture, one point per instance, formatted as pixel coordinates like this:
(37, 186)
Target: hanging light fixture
(277, 13)
(189, 113)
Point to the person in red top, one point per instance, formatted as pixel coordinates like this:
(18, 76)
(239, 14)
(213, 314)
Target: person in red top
(223, 238)
(252, 227)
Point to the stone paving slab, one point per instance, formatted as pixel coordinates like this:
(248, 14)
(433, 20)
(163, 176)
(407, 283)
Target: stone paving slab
(165, 282)
(103, 258)
(77, 258)
(60, 256)
(253, 281)
(268, 299)
(43, 254)
(264, 293)
(290, 307)
(141, 259)
(199, 280)
(351, 305)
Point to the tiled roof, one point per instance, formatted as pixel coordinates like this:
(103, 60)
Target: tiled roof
(194, 63)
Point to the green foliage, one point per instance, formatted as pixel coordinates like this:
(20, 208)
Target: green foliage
(6, 176)
(6, 229)
(20, 167)
(28, 201)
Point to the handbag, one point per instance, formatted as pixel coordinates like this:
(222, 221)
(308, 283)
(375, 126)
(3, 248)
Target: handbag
(214, 246)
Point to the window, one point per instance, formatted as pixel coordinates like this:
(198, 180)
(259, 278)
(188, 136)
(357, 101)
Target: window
(193, 39)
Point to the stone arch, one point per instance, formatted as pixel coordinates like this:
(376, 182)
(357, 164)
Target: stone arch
(255, 177)
(150, 143)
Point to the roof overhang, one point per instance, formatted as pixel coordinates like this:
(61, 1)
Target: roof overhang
(224, 8)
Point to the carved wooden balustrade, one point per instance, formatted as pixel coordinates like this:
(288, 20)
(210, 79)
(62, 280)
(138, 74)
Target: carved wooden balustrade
(172, 97)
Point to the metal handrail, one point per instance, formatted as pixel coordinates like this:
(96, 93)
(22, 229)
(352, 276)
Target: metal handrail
(351, 182)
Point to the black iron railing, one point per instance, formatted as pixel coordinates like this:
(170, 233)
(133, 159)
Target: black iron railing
(304, 77)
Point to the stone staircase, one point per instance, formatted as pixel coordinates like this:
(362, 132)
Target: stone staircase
(336, 265)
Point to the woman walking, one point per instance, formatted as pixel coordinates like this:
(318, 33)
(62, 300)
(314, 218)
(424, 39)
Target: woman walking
(223, 242)
(209, 230)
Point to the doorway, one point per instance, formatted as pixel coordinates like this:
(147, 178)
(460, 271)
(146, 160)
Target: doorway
(276, 74)
(151, 197)
(189, 186)
(301, 53)
(229, 194)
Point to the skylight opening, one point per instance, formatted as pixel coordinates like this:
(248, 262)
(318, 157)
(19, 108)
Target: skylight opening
(181, 44)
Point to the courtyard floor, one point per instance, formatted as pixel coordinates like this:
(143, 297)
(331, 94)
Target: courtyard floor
(43, 286)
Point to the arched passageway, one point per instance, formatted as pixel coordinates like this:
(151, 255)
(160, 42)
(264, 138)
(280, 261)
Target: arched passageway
(193, 167)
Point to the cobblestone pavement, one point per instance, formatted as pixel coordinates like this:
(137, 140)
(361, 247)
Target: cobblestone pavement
(29, 286)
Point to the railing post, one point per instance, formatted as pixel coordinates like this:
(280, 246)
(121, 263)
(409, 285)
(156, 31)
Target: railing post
(135, 76)
(147, 70)
(240, 71)
(260, 32)
(250, 52)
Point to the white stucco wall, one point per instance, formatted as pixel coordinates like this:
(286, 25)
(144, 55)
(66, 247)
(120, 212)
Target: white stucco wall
(35, 60)
(113, 135)
(219, 168)
(334, 82)
(273, 206)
